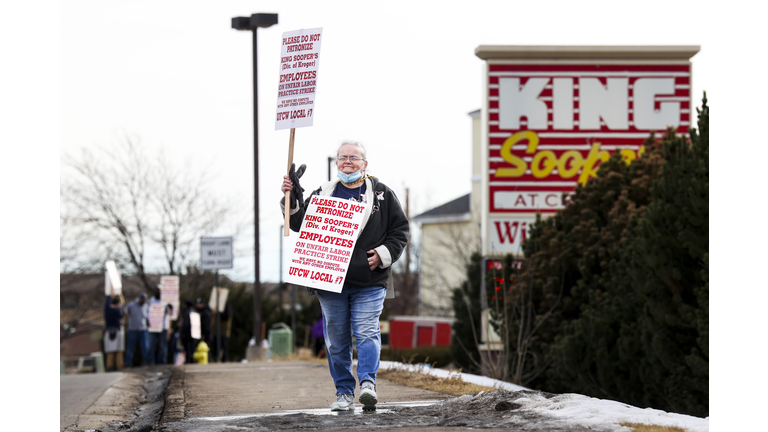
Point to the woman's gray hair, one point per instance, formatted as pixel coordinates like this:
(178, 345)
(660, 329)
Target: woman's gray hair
(356, 144)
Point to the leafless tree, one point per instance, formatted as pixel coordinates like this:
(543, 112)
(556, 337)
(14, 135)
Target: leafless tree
(514, 309)
(80, 249)
(134, 203)
(453, 247)
(405, 279)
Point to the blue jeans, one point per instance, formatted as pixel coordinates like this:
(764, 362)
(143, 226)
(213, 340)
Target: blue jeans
(353, 311)
(140, 337)
(162, 356)
(158, 347)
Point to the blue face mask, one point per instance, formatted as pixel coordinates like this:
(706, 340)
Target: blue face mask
(349, 178)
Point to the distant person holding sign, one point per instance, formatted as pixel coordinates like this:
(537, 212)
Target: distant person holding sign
(186, 333)
(356, 309)
(155, 328)
(206, 316)
(159, 321)
(226, 332)
(162, 357)
(138, 321)
(114, 337)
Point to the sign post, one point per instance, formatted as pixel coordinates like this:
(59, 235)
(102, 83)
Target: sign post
(299, 62)
(215, 254)
(288, 193)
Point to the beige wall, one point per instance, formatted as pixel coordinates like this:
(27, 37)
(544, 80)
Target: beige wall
(445, 251)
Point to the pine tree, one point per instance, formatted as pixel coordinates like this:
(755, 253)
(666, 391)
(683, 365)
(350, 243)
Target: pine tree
(466, 325)
(666, 264)
(590, 355)
(565, 278)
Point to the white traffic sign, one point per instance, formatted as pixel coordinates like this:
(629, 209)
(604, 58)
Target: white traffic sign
(215, 253)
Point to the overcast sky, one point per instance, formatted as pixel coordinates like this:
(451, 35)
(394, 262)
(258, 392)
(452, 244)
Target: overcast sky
(398, 76)
(401, 78)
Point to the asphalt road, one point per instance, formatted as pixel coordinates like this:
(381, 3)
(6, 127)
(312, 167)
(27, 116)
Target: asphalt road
(131, 399)
(79, 393)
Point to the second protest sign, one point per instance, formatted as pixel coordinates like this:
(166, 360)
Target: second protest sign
(299, 65)
(324, 246)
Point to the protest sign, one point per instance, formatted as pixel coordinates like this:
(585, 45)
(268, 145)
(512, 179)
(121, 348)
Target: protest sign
(299, 64)
(323, 248)
(299, 61)
(194, 324)
(218, 306)
(169, 293)
(112, 279)
(156, 315)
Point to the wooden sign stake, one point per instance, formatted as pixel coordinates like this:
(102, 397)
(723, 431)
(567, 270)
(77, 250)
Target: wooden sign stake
(287, 229)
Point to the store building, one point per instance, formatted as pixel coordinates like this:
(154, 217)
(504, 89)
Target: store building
(550, 115)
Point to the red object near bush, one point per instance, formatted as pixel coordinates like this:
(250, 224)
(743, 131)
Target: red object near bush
(407, 332)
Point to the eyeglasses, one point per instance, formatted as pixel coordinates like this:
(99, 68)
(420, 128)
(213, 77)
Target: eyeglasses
(351, 159)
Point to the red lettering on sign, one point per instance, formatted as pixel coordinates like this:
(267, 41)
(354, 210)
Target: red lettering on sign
(510, 231)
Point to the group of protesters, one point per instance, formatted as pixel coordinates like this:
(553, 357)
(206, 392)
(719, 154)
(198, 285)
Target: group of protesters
(129, 326)
(187, 338)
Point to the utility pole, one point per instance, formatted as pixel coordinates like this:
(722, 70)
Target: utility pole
(252, 23)
(408, 245)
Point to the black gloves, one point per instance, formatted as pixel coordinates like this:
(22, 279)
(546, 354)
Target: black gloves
(297, 191)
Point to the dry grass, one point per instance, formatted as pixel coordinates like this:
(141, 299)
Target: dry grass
(452, 385)
(306, 354)
(639, 427)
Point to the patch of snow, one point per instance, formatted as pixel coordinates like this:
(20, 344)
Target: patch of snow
(594, 412)
(569, 408)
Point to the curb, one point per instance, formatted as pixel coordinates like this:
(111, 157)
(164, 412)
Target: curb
(147, 414)
(174, 397)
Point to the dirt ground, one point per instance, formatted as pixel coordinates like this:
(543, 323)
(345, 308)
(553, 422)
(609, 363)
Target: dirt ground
(285, 396)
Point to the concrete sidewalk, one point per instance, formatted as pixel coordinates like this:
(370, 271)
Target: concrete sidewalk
(230, 390)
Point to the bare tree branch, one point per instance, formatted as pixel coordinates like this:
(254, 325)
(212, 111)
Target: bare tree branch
(453, 248)
(131, 204)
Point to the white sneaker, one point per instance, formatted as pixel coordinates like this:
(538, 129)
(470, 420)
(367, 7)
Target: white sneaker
(368, 395)
(344, 402)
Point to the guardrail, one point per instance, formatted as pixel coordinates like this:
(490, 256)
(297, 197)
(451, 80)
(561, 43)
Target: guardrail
(93, 363)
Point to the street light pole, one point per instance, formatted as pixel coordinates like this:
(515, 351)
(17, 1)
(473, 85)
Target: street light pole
(252, 23)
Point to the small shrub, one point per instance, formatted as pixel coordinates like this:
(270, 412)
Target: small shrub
(437, 356)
